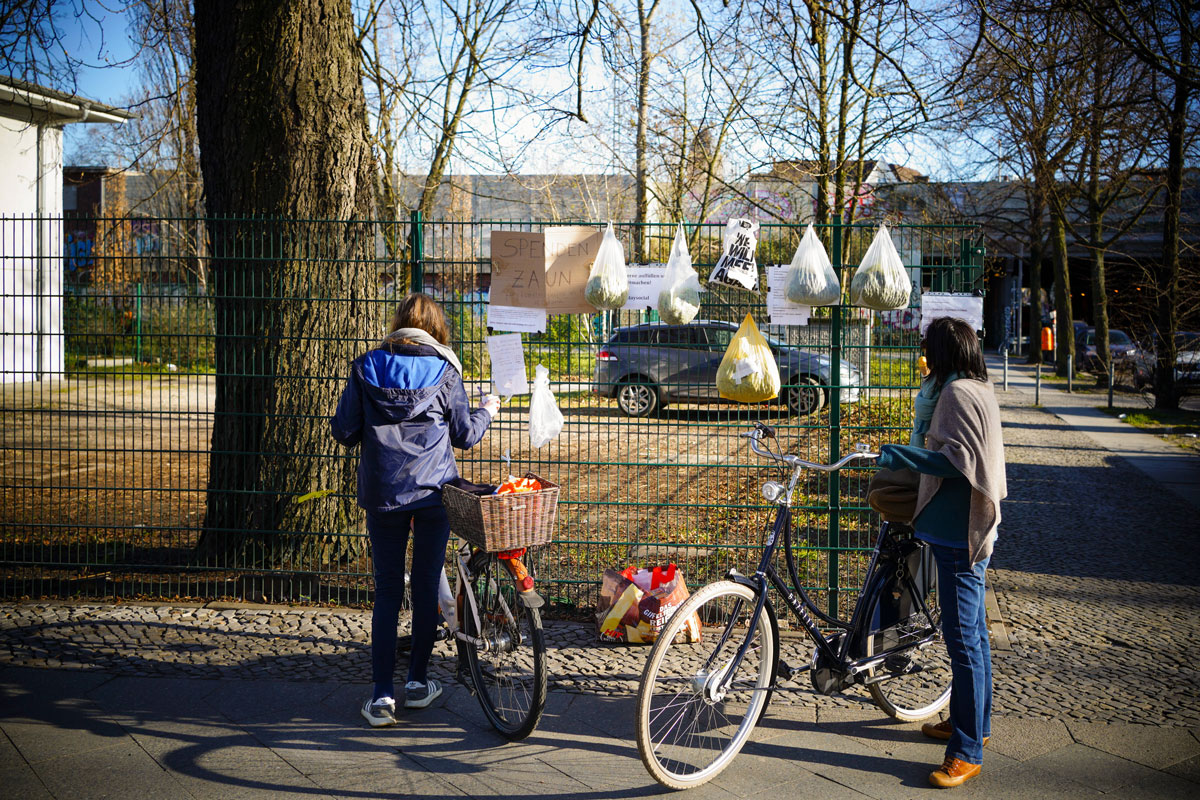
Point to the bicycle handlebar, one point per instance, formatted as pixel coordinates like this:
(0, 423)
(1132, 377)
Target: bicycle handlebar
(757, 435)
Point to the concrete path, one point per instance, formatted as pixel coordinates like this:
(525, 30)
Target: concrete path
(1096, 584)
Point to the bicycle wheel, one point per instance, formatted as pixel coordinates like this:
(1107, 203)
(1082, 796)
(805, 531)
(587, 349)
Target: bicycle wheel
(509, 674)
(692, 716)
(914, 684)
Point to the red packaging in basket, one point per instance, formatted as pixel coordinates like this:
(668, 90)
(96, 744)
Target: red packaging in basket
(519, 485)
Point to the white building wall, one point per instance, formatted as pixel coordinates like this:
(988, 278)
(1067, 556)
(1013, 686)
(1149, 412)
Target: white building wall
(31, 287)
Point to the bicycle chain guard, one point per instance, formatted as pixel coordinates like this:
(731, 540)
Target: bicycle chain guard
(827, 679)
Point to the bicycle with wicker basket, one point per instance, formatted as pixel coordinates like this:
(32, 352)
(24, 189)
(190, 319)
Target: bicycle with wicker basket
(501, 648)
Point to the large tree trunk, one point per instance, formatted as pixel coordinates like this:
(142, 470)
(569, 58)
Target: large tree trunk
(282, 135)
(1167, 277)
(1064, 334)
(641, 201)
(1036, 210)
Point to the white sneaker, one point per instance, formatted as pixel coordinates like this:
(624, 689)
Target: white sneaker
(380, 713)
(419, 695)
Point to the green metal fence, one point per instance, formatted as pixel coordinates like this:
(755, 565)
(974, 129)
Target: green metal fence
(168, 437)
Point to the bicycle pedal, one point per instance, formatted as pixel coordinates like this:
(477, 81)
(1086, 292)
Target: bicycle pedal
(787, 672)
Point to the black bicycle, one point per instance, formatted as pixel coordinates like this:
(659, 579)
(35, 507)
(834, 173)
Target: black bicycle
(698, 702)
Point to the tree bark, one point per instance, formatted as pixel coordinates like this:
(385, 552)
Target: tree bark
(1064, 335)
(1037, 209)
(641, 190)
(1166, 316)
(282, 139)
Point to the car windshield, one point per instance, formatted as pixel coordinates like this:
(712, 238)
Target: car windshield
(1118, 337)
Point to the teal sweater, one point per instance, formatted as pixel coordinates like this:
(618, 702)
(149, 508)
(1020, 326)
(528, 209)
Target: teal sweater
(944, 519)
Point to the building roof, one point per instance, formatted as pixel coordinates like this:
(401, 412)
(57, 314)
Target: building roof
(30, 102)
(807, 169)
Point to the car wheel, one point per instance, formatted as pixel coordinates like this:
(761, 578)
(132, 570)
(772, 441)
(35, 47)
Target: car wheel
(805, 396)
(637, 399)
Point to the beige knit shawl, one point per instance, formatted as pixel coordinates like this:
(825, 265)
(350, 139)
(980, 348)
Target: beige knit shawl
(966, 429)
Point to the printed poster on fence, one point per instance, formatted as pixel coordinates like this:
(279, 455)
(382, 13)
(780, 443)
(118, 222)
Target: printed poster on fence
(945, 304)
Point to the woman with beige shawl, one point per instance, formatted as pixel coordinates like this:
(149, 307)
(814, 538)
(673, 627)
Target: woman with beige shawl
(958, 509)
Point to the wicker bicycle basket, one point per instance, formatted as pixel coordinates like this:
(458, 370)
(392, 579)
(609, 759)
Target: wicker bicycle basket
(503, 521)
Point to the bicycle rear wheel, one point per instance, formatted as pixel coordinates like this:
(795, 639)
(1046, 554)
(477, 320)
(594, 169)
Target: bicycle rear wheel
(693, 717)
(914, 684)
(509, 674)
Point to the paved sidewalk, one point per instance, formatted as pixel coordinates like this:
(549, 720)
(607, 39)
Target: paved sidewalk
(1094, 574)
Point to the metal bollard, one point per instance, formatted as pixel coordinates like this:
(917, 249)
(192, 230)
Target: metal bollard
(1006, 369)
(1070, 373)
(1037, 386)
(1110, 381)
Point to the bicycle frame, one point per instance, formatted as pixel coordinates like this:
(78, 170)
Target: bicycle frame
(804, 608)
(470, 563)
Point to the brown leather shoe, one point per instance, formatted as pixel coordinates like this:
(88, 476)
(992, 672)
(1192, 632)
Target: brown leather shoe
(942, 730)
(953, 772)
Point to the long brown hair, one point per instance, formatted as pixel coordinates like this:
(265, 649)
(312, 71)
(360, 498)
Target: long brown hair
(951, 346)
(419, 310)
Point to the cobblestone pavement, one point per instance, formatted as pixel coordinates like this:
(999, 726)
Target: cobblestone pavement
(1095, 573)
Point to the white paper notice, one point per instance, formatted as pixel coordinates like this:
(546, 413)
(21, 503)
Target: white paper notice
(966, 307)
(512, 318)
(645, 281)
(508, 365)
(780, 310)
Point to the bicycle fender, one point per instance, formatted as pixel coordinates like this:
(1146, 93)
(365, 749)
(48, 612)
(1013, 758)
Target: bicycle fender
(531, 599)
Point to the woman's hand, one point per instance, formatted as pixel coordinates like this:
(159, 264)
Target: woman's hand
(492, 403)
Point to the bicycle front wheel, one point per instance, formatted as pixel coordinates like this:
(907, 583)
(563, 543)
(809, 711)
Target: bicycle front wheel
(913, 684)
(509, 671)
(695, 711)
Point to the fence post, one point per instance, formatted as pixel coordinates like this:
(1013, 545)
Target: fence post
(137, 324)
(416, 253)
(1006, 367)
(835, 427)
(1037, 386)
(1070, 374)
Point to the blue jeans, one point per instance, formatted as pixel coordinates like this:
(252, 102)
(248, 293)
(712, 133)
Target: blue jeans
(961, 590)
(389, 541)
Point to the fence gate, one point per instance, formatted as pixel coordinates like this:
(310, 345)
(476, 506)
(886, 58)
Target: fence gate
(107, 459)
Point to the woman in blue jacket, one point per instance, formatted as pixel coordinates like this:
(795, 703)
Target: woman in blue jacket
(962, 482)
(405, 405)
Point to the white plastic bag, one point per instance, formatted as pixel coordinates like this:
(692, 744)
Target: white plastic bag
(679, 297)
(881, 282)
(811, 280)
(736, 266)
(607, 286)
(545, 420)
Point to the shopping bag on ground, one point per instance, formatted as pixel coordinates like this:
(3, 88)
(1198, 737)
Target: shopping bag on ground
(679, 297)
(607, 285)
(811, 280)
(545, 420)
(748, 372)
(636, 604)
(881, 282)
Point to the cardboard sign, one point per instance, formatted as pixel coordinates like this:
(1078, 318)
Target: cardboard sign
(519, 270)
(546, 270)
(569, 256)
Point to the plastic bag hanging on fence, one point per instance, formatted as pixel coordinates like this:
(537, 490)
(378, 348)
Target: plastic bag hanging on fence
(811, 280)
(679, 298)
(607, 286)
(545, 420)
(881, 282)
(748, 372)
(736, 266)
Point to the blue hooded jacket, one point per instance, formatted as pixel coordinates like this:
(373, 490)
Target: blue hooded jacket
(408, 408)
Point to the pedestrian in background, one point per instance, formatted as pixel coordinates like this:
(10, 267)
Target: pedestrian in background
(962, 482)
(406, 406)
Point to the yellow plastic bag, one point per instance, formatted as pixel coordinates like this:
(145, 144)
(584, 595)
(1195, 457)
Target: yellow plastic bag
(748, 372)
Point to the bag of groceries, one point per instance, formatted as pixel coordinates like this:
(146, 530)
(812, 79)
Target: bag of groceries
(811, 280)
(748, 372)
(679, 297)
(881, 282)
(635, 604)
(607, 285)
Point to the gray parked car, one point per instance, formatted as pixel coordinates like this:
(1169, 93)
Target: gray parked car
(647, 366)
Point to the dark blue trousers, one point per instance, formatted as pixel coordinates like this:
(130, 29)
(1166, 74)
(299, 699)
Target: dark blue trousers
(389, 541)
(961, 590)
